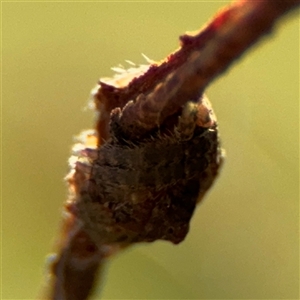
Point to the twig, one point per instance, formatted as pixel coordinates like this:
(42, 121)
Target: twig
(157, 94)
(75, 268)
(201, 58)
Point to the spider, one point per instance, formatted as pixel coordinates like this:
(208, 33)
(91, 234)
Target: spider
(146, 188)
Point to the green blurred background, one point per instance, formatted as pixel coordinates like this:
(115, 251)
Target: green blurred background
(244, 238)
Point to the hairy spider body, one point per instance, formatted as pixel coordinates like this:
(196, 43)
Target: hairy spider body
(141, 191)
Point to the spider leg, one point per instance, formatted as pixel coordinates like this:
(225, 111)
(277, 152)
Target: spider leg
(194, 114)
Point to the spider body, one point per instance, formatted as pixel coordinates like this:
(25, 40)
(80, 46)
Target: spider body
(147, 189)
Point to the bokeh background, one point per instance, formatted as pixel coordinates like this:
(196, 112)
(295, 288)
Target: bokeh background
(244, 238)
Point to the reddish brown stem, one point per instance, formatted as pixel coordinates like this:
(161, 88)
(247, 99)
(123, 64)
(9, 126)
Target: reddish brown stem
(207, 54)
(75, 268)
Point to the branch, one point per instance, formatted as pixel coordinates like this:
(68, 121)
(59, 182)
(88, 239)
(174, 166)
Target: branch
(74, 269)
(158, 93)
(201, 58)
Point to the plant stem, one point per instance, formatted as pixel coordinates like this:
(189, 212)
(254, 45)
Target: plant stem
(182, 76)
(201, 58)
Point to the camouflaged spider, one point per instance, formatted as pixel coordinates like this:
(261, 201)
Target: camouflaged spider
(146, 189)
(153, 155)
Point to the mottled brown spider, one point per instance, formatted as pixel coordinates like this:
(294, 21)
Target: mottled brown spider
(144, 189)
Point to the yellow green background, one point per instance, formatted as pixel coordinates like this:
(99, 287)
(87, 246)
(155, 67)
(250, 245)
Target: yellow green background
(244, 238)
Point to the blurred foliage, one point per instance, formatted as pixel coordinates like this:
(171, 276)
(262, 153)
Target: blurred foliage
(244, 239)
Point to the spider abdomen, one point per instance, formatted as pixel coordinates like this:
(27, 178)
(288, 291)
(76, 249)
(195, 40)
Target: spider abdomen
(148, 191)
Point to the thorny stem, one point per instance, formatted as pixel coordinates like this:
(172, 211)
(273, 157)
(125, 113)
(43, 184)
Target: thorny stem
(209, 53)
